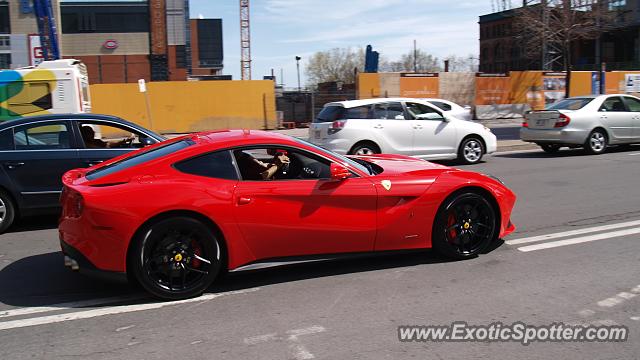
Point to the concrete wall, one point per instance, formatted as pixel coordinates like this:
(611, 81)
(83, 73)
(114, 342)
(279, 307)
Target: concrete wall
(458, 87)
(186, 106)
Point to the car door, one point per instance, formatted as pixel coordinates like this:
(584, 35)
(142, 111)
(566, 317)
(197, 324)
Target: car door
(303, 212)
(433, 136)
(390, 126)
(42, 153)
(106, 139)
(616, 118)
(633, 105)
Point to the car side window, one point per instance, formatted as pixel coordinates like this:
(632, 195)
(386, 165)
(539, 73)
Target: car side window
(358, 112)
(633, 104)
(423, 112)
(100, 135)
(613, 104)
(6, 140)
(276, 163)
(388, 111)
(53, 135)
(441, 105)
(217, 165)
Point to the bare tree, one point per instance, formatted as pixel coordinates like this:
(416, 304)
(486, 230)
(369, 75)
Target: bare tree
(549, 28)
(338, 64)
(423, 62)
(462, 63)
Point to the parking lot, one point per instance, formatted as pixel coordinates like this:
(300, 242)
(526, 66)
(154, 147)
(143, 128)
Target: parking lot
(573, 259)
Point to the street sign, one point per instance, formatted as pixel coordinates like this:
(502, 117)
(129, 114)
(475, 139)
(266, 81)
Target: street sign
(632, 83)
(142, 86)
(36, 54)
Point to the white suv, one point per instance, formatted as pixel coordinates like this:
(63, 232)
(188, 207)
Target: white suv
(400, 126)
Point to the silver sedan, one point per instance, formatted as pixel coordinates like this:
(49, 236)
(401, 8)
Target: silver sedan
(592, 122)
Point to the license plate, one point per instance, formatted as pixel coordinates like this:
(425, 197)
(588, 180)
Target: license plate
(541, 122)
(316, 134)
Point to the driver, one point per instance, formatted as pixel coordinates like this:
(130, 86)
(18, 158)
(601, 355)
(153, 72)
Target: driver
(254, 169)
(90, 141)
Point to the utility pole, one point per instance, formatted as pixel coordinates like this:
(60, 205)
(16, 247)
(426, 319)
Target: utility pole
(245, 40)
(415, 56)
(298, 58)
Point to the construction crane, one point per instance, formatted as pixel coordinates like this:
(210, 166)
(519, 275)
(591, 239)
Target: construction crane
(43, 11)
(245, 40)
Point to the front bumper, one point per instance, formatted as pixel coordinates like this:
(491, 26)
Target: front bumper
(554, 136)
(85, 266)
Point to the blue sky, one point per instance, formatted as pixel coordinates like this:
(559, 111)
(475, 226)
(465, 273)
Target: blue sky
(282, 29)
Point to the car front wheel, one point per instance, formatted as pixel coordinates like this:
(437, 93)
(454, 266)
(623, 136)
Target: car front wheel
(471, 151)
(464, 226)
(7, 211)
(176, 258)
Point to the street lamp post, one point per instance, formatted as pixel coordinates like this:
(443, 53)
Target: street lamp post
(298, 58)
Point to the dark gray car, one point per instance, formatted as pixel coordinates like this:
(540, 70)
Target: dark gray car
(36, 151)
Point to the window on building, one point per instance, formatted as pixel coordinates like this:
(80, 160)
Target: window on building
(617, 4)
(181, 57)
(5, 27)
(124, 18)
(210, 42)
(5, 61)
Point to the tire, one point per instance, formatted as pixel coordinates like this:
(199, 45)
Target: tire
(471, 150)
(464, 226)
(365, 148)
(597, 142)
(550, 148)
(7, 211)
(176, 258)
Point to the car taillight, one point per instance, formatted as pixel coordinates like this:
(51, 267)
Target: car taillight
(73, 203)
(337, 126)
(525, 124)
(562, 121)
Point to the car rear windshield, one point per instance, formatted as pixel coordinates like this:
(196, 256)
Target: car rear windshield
(330, 114)
(138, 159)
(570, 104)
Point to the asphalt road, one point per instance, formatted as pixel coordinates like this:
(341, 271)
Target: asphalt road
(351, 309)
(507, 133)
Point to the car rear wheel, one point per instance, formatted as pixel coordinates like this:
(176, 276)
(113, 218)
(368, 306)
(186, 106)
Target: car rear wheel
(465, 225)
(471, 151)
(7, 211)
(176, 258)
(550, 148)
(365, 148)
(596, 142)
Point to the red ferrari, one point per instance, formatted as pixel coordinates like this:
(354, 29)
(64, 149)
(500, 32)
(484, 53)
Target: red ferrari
(176, 215)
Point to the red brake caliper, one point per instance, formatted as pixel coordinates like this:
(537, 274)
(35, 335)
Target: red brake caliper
(452, 231)
(198, 251)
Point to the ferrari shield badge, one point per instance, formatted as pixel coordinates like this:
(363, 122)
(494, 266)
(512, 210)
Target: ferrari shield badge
(386, 184)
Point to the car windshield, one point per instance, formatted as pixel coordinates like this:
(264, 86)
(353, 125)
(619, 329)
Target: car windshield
(570, 104)
(351, 162)
(329, 114)
(139, 158)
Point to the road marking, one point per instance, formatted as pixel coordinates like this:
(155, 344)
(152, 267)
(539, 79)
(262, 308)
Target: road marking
(579, 240)
(586, 312)
(620, 298)
(635, 318)
(69, 305)
(634, 154)
(572, 233)
(88, 314)
(298, 351)
(125, 328)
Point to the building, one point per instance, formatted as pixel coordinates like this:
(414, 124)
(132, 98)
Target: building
(119, 41)
(206, 48)
(501, 51)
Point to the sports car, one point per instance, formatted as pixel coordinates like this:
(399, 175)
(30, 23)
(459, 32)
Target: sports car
(176, 215)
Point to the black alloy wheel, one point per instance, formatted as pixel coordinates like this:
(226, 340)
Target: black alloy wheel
(464, 226)
(176, 258)
(7, 211)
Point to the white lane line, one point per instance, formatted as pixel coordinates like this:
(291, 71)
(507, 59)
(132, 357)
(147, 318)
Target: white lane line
(635, 318)
(297, 350)
(51, 319)
(634, 154)
(572, 233)
(260, 339)
(300, 352)
(69, 305)
(579, 240)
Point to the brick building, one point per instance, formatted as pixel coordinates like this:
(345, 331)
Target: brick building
(119, 41)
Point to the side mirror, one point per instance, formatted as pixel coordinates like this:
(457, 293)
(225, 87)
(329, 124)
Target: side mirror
(146, 141)
(339, 172)
(399, 117)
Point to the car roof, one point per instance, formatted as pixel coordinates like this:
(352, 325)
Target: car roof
(230, 137)
(363, 102)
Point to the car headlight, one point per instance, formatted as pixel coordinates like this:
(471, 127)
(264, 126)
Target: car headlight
(486, 128)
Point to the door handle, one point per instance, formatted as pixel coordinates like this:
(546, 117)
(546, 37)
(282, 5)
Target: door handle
(13, 165)
(418, 127)
(378, 126)
(242, 200)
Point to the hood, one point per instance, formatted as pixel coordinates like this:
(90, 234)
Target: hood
(404, 165)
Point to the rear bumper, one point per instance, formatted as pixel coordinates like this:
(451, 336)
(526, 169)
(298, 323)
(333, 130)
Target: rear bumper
(86, 267)
(554, 136)
(492, 143)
